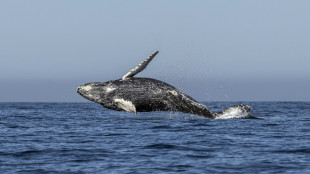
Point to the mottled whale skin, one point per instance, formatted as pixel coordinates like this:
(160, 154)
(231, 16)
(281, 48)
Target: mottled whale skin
(146, 94)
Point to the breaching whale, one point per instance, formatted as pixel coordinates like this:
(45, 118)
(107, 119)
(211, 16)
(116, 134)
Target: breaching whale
(133, 94)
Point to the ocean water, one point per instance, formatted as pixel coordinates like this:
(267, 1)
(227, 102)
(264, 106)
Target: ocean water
(87, 138)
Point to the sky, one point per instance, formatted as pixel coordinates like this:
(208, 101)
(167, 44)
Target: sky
(217, 50)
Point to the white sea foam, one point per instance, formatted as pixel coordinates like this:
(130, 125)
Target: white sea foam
(235, 112)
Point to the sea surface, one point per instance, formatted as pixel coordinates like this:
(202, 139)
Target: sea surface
(87, 138)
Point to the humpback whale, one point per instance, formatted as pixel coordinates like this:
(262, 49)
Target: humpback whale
(134, 94)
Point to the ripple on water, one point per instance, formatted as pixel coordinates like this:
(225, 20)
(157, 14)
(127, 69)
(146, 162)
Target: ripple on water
(86, 138)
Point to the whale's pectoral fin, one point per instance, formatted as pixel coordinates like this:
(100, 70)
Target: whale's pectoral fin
(140, 67)
(126, 105)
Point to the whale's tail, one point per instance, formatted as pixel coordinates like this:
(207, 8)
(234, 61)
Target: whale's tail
(236, 111)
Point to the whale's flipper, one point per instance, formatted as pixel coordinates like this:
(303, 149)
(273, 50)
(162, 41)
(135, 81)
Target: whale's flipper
(140, 67)
(125, 105)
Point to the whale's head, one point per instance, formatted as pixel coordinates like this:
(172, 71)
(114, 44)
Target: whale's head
(89, 91)
(97, 92)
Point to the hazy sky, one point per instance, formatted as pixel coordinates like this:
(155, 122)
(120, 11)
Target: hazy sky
(213, 50)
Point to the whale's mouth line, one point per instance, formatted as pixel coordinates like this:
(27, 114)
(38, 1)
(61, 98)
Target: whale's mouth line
(79, 91)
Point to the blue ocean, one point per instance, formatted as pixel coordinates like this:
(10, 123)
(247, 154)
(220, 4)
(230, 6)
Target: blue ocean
(87, 138)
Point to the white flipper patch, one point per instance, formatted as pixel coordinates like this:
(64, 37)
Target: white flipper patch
(140, 67)
(125, 105)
